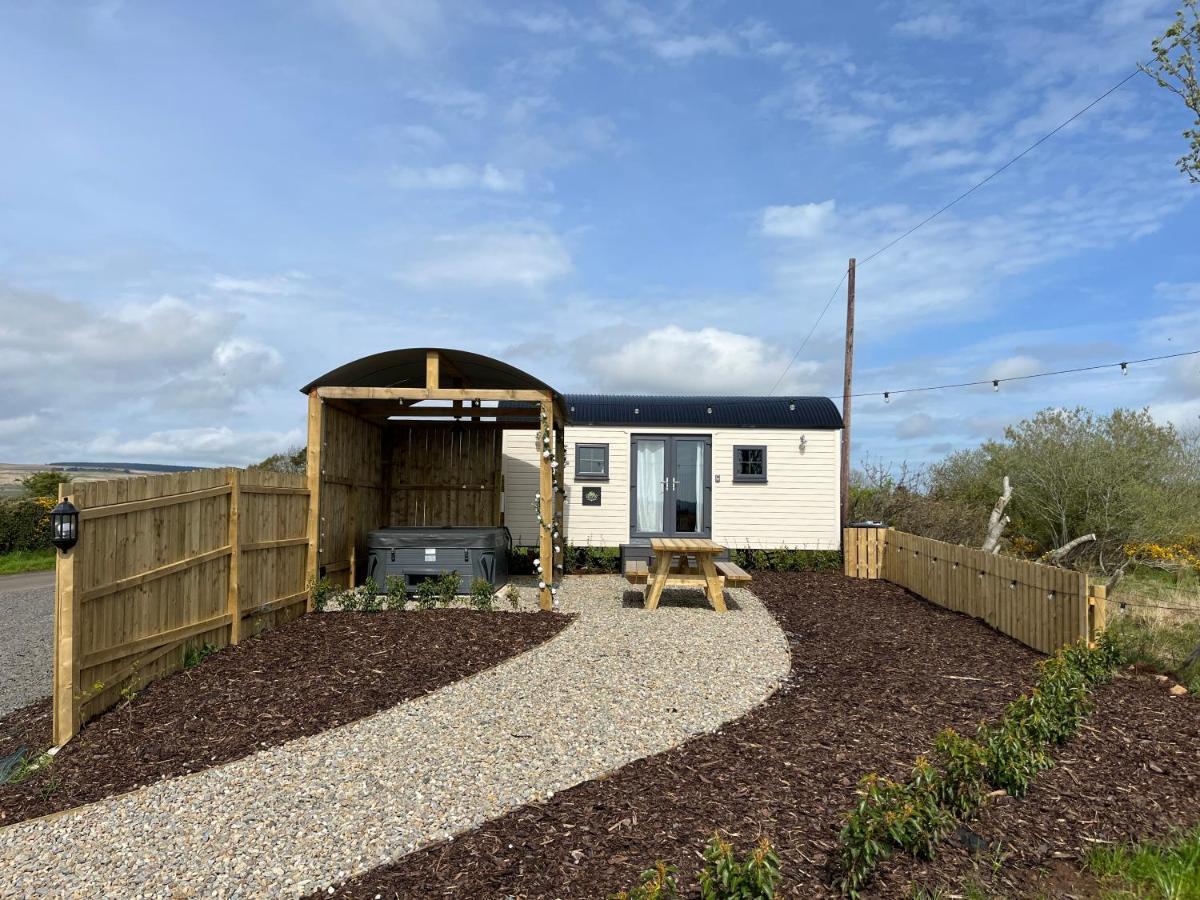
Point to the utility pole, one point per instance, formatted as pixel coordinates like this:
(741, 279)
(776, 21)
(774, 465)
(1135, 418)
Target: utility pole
(846, 385)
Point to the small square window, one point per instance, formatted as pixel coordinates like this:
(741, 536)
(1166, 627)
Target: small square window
(591, 462)
(750, 463)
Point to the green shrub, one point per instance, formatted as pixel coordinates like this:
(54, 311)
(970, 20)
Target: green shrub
(787, 560)
(448, 584)
(321, 592)
(725, 877)
(427, 593)
(349, 601)
(25, 525)
(592, 559)
(397, 593)
(370, 597)
(913, 816)
(45, 484)
(483, 595)
(195, 655)
(513, 596)
(962, 764)
(520, 560)
(653, 884)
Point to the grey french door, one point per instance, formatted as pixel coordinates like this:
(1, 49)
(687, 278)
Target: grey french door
(670, 486)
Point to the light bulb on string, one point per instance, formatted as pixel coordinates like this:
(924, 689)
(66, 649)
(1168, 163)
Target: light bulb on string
(996, 385)
(1124, 368)
(887, 397)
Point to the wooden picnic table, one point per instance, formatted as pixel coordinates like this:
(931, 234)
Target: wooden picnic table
(668, 551)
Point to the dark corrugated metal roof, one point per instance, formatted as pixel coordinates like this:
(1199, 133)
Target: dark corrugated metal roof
(702, 412)
(406, 368)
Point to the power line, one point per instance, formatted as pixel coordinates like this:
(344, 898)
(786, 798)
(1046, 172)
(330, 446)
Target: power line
(804, 342)
(930, 218)
(996, 382)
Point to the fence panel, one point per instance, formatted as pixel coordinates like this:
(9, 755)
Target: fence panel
(1042, 606)
(163, 563)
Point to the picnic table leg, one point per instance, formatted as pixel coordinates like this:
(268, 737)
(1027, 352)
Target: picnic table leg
(662, 568)
(716, 593)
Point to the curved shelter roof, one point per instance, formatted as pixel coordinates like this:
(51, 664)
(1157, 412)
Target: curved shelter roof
(406, 368)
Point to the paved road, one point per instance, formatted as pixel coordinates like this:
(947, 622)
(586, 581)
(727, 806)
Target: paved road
(26, 638)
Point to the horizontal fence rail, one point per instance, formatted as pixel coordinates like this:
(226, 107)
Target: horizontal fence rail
(165, 563)
(1041, 606)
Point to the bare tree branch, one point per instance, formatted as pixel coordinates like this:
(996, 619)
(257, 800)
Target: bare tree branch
(997, 521)
(1061, 552)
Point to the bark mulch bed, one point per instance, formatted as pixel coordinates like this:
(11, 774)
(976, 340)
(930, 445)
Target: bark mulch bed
(310, 675)
(875, 674)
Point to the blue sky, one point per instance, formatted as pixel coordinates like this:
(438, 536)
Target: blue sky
(204, 206)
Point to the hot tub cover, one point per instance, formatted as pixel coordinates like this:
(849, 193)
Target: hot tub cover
(483, 537)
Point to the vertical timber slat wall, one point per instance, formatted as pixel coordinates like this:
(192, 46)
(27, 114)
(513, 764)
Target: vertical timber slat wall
(1044, 607)
(350, 474)
(155, 572)
(441, 473)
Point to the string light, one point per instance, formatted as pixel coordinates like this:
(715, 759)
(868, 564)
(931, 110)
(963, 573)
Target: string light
(996, 384)
(1124, 368)
(887, 397)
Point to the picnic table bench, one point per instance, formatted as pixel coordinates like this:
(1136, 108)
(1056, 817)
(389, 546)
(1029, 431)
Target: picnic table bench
(686, 562)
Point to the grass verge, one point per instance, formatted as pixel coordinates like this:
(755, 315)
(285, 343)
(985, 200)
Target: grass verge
(18, 561)
(1168, 869)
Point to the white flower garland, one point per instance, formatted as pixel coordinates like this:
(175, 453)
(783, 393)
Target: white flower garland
(553, 524)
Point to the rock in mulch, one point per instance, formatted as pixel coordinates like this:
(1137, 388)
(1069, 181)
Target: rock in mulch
(312, 674)
(617, 684)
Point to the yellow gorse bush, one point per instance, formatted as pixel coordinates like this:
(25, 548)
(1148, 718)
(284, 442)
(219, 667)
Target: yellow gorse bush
(1180, 553)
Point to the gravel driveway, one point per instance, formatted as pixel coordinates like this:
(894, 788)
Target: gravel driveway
(617, 684)
(26, 638)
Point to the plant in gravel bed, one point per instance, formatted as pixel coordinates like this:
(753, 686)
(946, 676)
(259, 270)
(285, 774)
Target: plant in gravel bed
(427, 594)
(321, 591)
(370, 597)
(653, 884)
(397, 593)
(348, 601)
(447, 585)
(483, 596)
(725, 877)
(513, 596)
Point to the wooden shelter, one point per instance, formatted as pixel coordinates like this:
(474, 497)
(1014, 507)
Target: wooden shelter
(415, 437)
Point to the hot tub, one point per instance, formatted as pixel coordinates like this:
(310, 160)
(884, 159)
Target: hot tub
(416, 553)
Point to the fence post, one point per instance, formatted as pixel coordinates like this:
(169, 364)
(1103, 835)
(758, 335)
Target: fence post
(1098, 609)
(235, 556)
(67, 637)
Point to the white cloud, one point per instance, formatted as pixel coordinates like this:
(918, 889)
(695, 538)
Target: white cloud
(199, 445)
(675, 360)
(1013, 367)
(937, 26)
(450, 99)
(945, 129)
(271, 285)
(409, 26)
(804, 221)
(685, 47)
(18, 425)
(526, 258)
(457, 176)
(917, 425)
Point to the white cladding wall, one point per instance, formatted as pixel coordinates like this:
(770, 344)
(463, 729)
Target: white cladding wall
(798, 506)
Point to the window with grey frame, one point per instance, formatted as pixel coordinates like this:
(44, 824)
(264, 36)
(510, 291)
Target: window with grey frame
(591, 462)
(750, 463)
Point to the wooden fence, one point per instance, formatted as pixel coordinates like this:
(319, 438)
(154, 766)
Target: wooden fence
(165, 563)
(1041, 606)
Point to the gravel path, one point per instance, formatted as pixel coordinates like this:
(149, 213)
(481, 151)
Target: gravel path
(26, 639)
(617, 685)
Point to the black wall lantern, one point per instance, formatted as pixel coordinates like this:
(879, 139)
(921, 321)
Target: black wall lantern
(64, 525)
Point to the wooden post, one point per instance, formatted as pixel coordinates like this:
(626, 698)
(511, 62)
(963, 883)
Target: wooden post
(1099, 610)
(352, 535)
(67, 641)
(847, 380)
(316, 435)
(235, 556)
(560, 499)
(432, 370)
(546, 505)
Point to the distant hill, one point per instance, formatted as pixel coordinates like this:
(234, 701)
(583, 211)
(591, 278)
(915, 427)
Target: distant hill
(118, 467)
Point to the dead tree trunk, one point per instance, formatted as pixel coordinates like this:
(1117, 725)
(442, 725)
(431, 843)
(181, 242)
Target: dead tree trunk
(998, 520)
(1057, 555)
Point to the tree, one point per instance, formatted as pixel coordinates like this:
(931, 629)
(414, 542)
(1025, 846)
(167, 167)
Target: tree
(44, 484)
(1174, 67)
(293, 461)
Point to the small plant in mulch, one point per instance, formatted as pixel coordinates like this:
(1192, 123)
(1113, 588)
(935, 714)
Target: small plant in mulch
(483, 596)
(1168, 868)
(914, 815)
(20, 766)
(197, 654)
(725, 877)
(653, 884)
